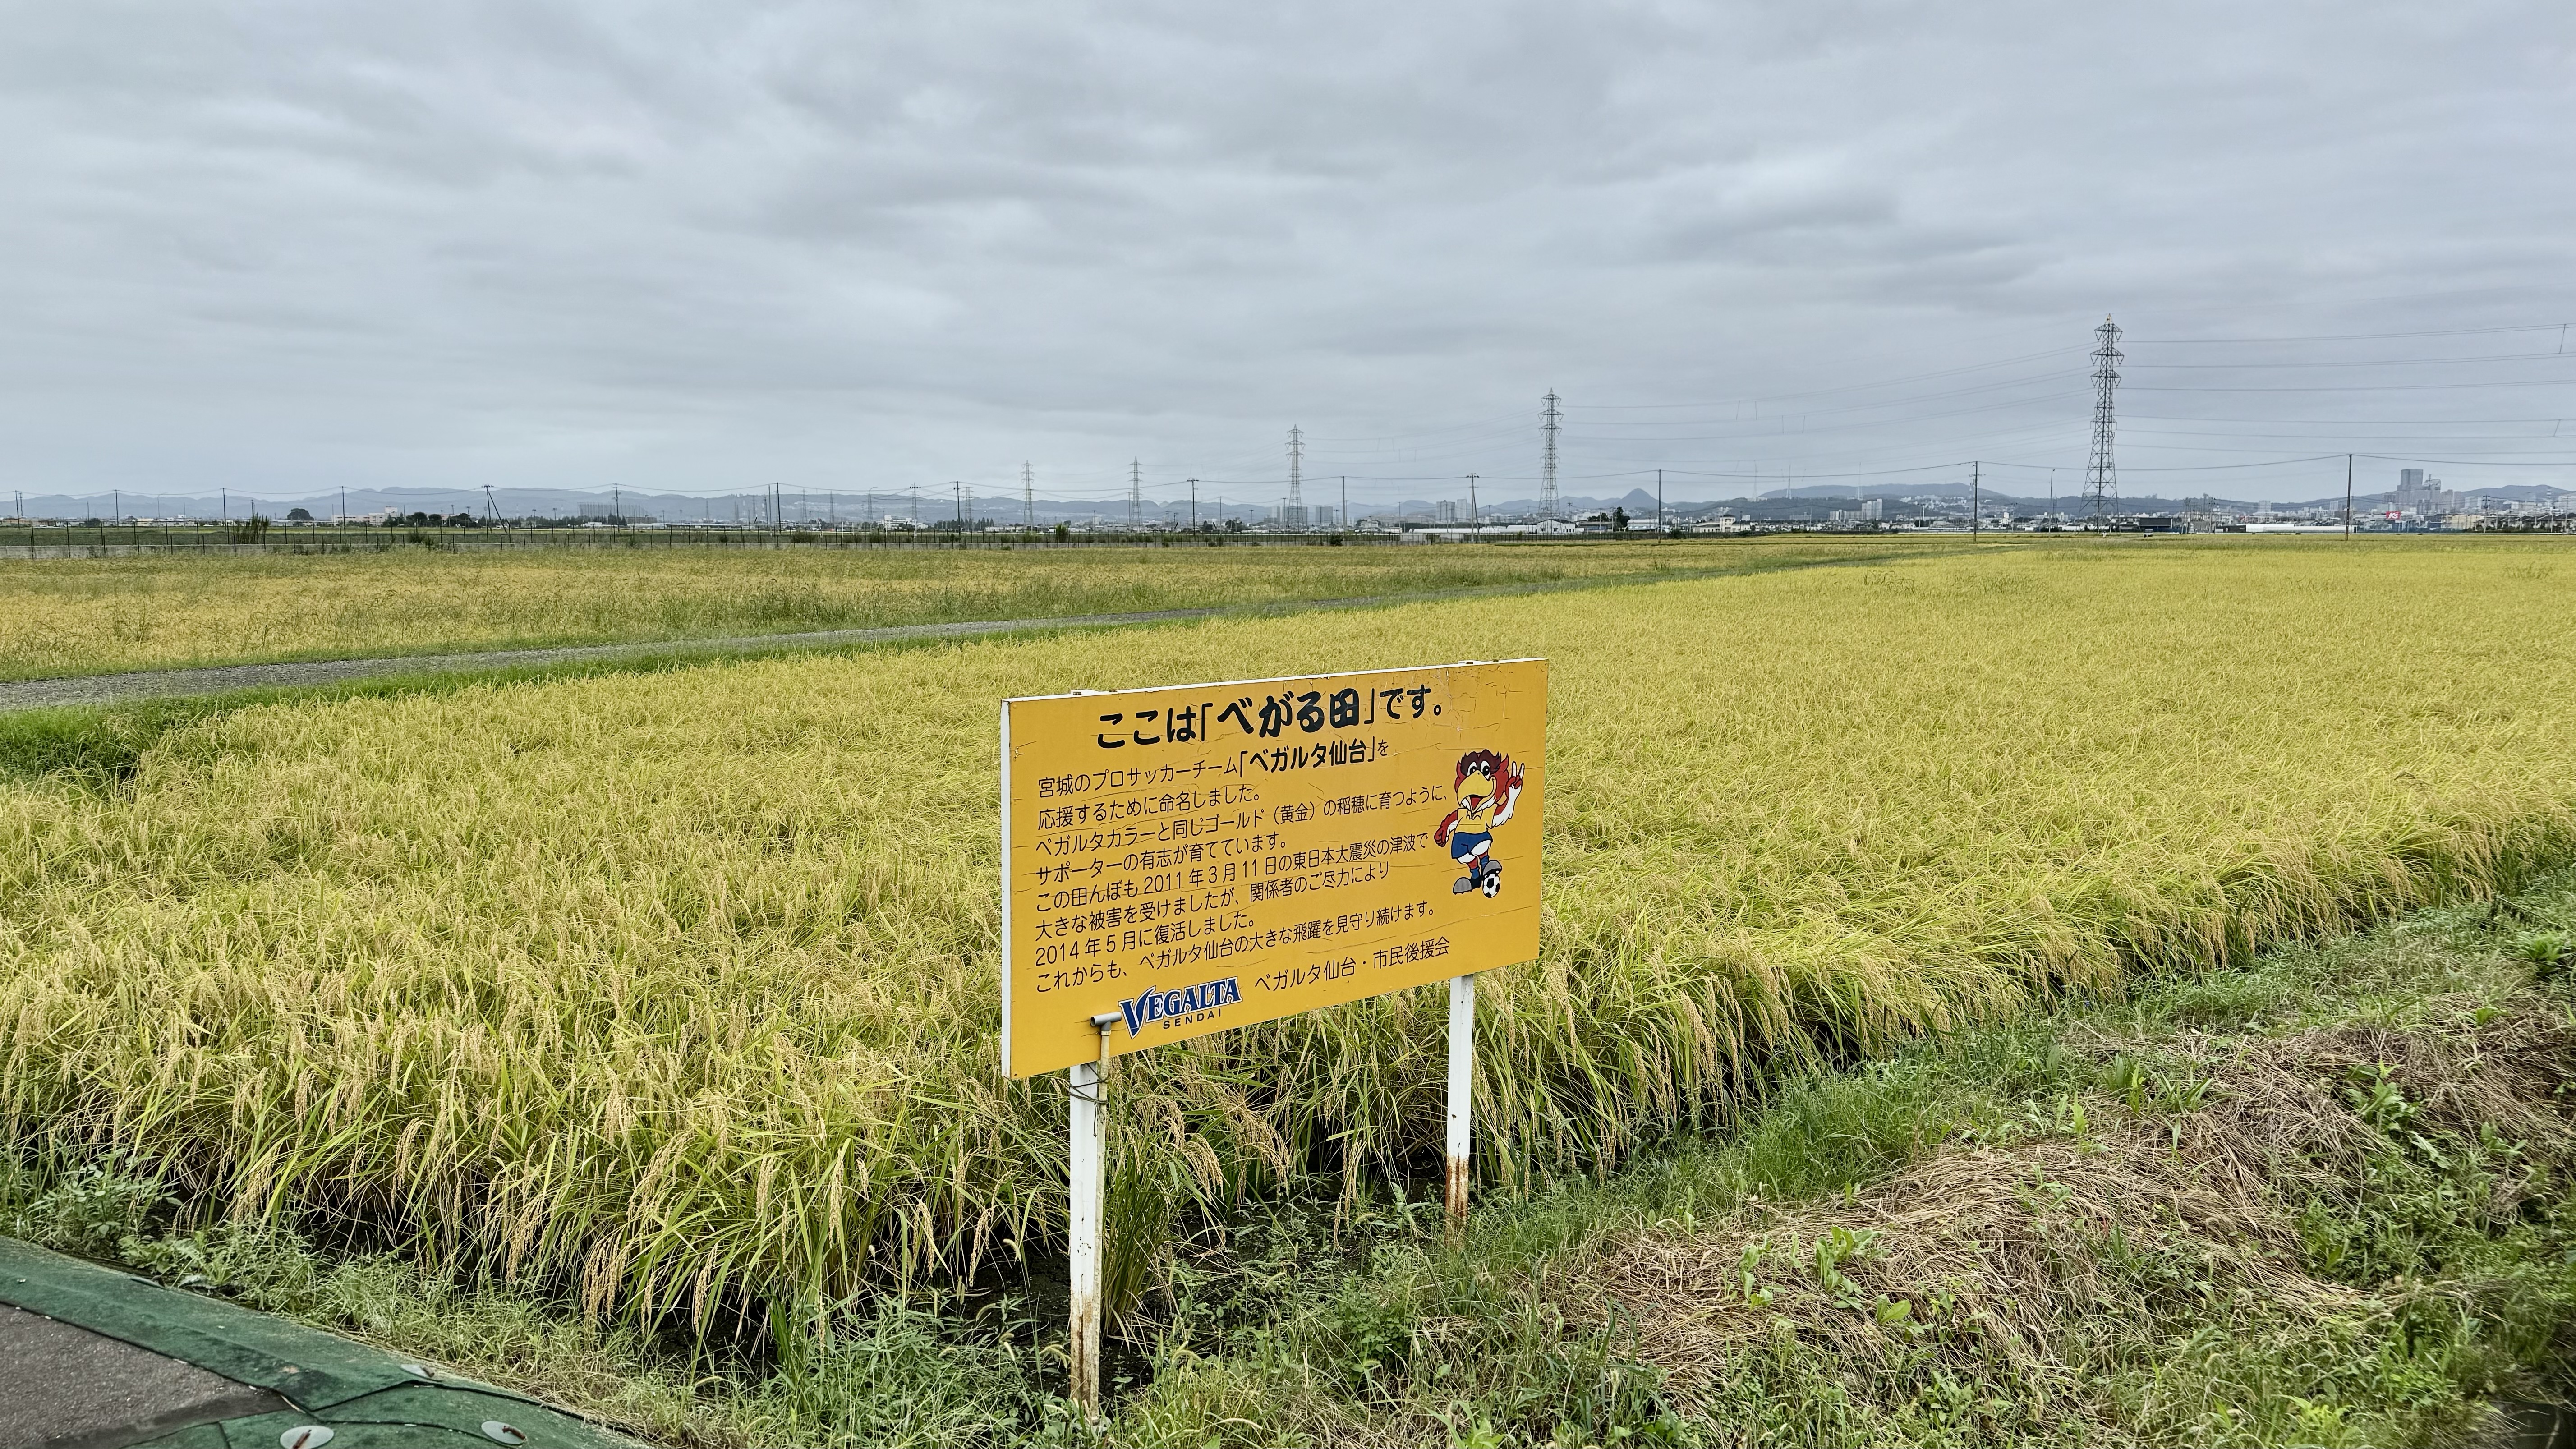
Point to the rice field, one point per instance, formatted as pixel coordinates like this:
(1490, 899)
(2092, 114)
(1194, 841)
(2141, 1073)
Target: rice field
(95, 616)
(675, 988)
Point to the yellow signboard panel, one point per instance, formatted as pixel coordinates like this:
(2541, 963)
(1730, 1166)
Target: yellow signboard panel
(1209, 856)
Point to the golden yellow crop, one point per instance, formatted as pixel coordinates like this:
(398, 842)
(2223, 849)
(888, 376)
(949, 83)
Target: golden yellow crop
(683, 984)
(85, 616)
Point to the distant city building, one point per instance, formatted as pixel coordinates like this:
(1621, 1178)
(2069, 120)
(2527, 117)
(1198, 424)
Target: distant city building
(1873, 509)
(2422, 496)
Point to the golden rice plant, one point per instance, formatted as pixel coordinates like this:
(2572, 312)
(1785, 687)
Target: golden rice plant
(681, 986)
(86, 616)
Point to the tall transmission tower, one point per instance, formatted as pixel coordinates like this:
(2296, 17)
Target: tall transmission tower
(1547, 458)
(1028, 498)
(2101, 478)
(1296, 514)
(1136, 493)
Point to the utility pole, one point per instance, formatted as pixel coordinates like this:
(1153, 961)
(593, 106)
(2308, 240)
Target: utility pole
(616, 503)
(491, 508)
(1028, 498)
(1295, 514)
(1346, 503)
(223, 502)
(2347, 495)
(1547, 458)
(344, 504)
(1976, 501)
(1474, 521)
(1194, 505)
(2101, 479)
(1659, 500)
(916, 508)
(957, 487)
(1135, 494)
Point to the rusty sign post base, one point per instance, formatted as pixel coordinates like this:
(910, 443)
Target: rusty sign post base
(1462, 1073)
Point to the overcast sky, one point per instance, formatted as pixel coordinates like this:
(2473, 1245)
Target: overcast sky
(703, 247)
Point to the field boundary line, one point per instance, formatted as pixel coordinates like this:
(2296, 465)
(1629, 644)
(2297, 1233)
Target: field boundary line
(61, 691)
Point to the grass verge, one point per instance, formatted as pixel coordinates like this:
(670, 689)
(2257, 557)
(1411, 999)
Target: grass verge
(2325, 1199)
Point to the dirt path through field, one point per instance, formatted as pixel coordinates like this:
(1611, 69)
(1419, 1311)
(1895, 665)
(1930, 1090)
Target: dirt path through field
(225, 678)
(91, 689)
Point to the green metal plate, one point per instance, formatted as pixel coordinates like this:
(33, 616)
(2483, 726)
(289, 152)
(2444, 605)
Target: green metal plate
(367, 1397)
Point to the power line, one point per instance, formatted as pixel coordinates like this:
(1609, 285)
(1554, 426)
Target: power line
(2377, 386)
(1933, 376)
(2338, 422)
(2368, 361)
(2344, 336)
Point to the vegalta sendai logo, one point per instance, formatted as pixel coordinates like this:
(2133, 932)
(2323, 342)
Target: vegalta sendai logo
(1153, 1006)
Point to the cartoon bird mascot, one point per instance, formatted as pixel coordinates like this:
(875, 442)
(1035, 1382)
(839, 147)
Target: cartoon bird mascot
(1488, 786)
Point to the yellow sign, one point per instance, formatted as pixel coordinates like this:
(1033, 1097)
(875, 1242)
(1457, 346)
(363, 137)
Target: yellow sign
(1192, 859)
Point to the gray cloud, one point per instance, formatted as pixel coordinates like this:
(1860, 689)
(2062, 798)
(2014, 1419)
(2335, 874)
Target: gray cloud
(699, 247)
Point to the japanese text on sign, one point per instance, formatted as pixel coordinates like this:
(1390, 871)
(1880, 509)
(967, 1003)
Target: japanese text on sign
(1209, 856)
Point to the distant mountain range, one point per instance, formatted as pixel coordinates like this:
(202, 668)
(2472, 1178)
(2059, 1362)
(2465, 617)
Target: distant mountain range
(2129, 503)
(932, 506)
(794, 505)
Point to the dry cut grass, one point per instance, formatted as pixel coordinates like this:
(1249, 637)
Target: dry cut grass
(90, 616)
(682, 986)
(1989, 1260)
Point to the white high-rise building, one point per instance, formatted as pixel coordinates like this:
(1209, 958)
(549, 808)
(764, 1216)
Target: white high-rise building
(2422, 495)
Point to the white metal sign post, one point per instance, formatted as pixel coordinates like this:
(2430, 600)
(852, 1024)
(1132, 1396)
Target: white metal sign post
(1462, 1075)
(1089, 1085)
(1181, 861)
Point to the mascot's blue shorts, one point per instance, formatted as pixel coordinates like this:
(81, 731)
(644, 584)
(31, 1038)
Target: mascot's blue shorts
(1463, 846)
